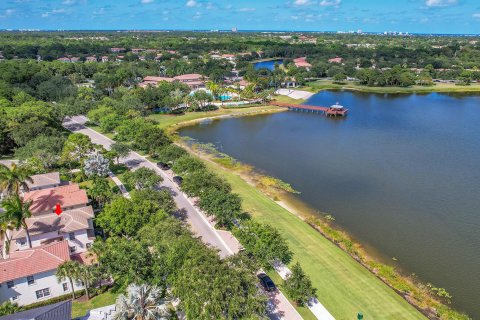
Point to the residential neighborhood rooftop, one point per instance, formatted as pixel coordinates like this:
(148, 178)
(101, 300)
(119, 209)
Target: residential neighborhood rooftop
(42, 180)
(56, 311)
(33, 261)
(68, 221)
(44, 201)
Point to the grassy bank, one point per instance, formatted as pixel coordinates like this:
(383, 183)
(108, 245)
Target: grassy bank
(349, 85)
(172, 123)
(79, 309)
(287, 99)
(344, 286)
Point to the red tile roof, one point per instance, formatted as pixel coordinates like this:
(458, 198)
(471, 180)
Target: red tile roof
(33, 261)
(157, 79)
(302, 62)
(42, 180)
(44, 201)
(86, 258)
(335, 60)
(189, 77)
(69, 221)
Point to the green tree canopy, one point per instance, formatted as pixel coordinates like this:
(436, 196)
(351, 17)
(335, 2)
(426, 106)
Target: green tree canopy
(298, 286)
(142, 178)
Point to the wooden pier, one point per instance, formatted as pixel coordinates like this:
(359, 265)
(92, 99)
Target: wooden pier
(333, 111)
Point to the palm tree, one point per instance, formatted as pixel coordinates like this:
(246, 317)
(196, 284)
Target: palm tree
(5, 227)
(13, 179)
(68, 270)
(213, 88)
(86, 275)
(17, 211)
(100, 191)
(143, 302)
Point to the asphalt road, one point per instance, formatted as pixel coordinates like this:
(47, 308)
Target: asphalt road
(279, 306)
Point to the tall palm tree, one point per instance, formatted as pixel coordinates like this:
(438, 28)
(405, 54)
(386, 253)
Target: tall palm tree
(213, 88)
(86, 275)
(17, 211)
(142, 302)
(13, 179)
(68, 270)
(100, 191)
(5, 227)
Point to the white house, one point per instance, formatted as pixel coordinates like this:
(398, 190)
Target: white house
(75, 226)
(28, 276)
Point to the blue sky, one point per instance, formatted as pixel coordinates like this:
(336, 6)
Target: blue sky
(427, 16)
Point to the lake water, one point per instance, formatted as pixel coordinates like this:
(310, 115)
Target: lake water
(270, 65)
(400, 173)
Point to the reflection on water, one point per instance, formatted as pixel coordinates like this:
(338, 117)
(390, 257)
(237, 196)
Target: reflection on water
(401, 173)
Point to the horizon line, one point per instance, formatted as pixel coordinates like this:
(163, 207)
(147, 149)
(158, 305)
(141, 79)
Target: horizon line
(390, 32)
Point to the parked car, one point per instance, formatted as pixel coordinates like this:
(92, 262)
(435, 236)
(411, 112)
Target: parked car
(163, 165)
(266, 282)
(178, 180)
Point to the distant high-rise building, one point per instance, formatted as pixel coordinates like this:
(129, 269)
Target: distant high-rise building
(234, 29)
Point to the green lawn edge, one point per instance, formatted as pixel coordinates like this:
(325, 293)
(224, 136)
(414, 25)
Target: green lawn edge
(344, 286)
(79, 309)
(321, 85)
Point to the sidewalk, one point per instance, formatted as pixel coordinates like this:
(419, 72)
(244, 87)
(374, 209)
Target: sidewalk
(314, 305)
(280, 307)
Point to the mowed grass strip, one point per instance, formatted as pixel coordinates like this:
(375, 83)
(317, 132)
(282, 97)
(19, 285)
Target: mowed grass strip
(344, 286)
(167, 120)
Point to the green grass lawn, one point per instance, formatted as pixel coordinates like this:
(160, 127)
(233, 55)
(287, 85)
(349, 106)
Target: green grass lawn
(166, 120)
(438, 87)
(287, 99)
(344, 286)
(98, 129)
(79, 309)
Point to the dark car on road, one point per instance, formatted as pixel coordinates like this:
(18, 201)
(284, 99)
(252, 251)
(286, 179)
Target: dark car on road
(178, 180)
(163, 165)
(266, 282)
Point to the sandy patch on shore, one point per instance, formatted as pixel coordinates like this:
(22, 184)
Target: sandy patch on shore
(295, 94)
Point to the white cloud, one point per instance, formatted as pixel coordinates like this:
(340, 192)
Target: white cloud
(302, 2)
(191, 3)
(7, 12)
(68, 2)
(197, 15)
(54, 11)
(476, 15)
(440, 3)
(146, 1)
(330, 3)
(99, 12)
(246, 9)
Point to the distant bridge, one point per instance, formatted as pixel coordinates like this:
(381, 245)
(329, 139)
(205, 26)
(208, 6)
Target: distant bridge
(333, 111)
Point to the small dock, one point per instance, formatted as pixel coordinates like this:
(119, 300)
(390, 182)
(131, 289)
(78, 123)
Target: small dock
(333, 111)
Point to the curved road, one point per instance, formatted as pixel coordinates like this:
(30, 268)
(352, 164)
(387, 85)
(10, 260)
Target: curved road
(280, 307)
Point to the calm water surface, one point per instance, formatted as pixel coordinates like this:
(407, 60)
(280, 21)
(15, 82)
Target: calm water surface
(400, 173)
(270, 65)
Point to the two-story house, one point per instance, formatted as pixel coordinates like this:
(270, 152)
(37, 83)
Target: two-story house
(45, 200)
(75, 226)
(28, 276)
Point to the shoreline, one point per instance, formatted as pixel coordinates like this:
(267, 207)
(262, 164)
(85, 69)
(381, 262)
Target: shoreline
(315, 220)
(318, 87)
